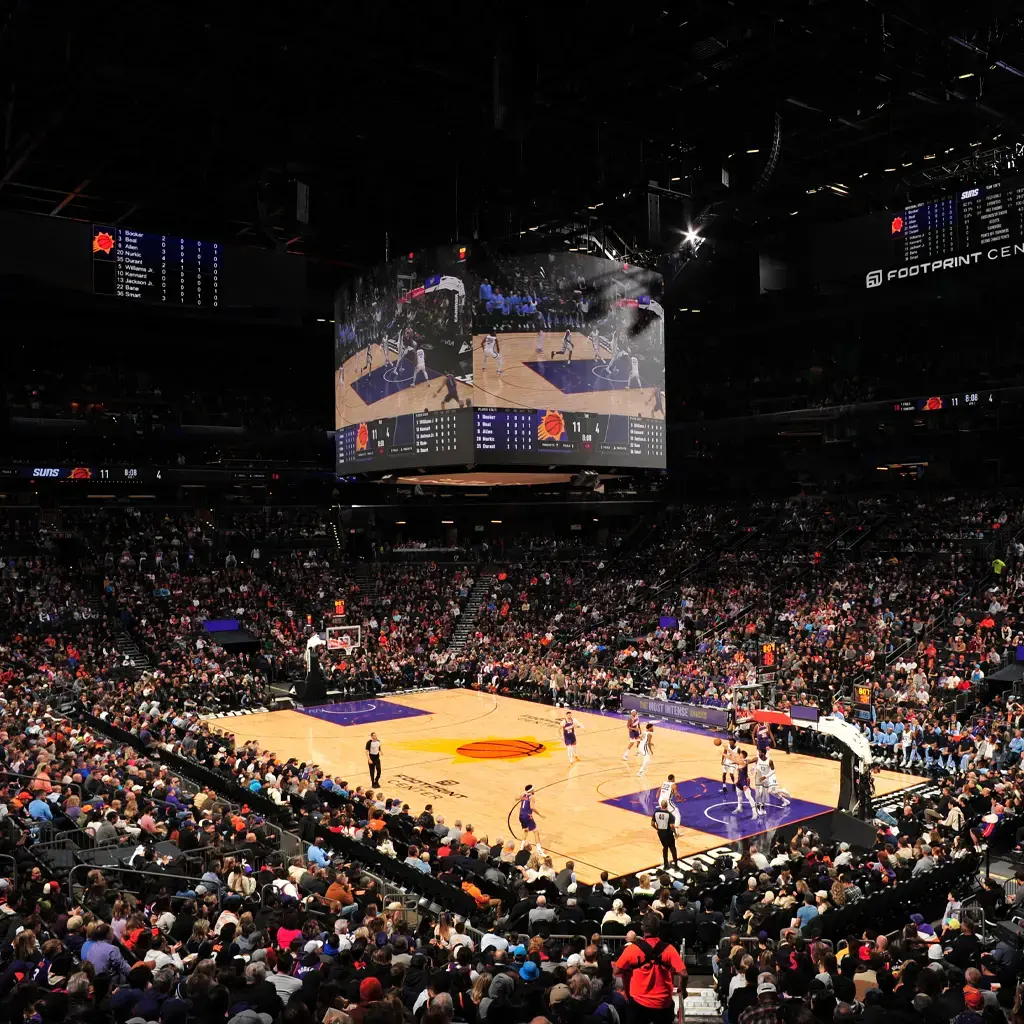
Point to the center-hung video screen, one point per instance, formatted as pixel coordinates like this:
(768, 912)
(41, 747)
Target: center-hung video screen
(452, 357)
(568, 360)
(403, 365)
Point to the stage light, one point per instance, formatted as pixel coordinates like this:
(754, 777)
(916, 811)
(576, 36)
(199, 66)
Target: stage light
(447, 522)
(399, 522)
(966, 74)
(496, 522)
(684, 309)
(864, 175)
(889, 169)
(692, 234)
(675, 179)
(753, 151)
(909, 163)
(973, 144)
(793, 213)
(694, 310)
(929, 156)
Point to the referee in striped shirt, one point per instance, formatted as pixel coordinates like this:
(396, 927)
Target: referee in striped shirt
(664, 822)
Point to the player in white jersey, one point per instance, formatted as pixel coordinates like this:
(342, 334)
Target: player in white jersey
(766, 783)
(646, 748)
(540, 333)
(669, 794)
(421, 366)
(491, 348)
(595, 341)
(634, 372)
(566, 345)
(368, 361)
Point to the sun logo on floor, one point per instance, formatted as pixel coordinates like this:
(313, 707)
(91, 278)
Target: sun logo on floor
(500, 749)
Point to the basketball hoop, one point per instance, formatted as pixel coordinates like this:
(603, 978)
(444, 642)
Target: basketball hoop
(344, 638)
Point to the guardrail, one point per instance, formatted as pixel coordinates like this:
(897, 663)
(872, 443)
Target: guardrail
(135, 872)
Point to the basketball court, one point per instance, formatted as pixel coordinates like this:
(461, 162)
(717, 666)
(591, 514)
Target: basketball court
(535, 380)
(470, 754)
(382, 391)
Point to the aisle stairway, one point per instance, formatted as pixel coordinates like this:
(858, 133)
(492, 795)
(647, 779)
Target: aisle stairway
(122, 637)
(701, 1004)
(467, 620)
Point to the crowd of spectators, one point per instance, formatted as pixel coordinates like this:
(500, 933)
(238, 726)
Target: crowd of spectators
(171, 945)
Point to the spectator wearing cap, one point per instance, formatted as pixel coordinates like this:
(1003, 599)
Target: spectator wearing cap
(767, 1009)
(844, 857)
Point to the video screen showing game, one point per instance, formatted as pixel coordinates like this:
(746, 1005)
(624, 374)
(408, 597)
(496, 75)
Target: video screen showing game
(568, 332)
(403, 342)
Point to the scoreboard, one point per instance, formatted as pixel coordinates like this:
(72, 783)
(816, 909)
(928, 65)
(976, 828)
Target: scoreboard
(151, 268)
(413, 439)
(544, 436)
(972, 223)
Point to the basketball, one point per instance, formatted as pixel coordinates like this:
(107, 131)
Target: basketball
(718, 741)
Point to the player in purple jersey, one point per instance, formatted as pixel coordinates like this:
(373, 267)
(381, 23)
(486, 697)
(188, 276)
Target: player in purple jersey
(763, 738)
(569, 735)
(743, 787)
(633, 732)
(527, 816)
(453, 390)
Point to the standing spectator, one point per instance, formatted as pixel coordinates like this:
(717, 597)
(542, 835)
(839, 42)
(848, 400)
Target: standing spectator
(656, 972)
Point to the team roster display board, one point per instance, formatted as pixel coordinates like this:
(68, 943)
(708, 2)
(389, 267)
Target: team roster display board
(152, 268)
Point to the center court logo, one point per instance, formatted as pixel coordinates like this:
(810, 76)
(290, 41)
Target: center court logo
(873, 279)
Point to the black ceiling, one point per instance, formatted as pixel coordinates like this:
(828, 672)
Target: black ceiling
(430, 123)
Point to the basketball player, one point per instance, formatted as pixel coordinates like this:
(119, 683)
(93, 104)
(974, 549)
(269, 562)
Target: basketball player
(646, 748)
(634, 373)
(633, 732)
(385, 348)
(743, 785)
(664, 821)
(527, 813)
(766, 783)
(595, 341)
(617, 352)
(566, 345)
(421, 366)
(569, 735)
(763, 737)
(491, 348)
(453, 390)
(404, 343)
(668, 794)
(368, 361)
(730, 763)
(658, 405)
(540, 333)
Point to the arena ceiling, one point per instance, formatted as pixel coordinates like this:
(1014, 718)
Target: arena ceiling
(420, 124)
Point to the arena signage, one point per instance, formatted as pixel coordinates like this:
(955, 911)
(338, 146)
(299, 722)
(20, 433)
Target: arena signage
(695, 714)
(876, 278)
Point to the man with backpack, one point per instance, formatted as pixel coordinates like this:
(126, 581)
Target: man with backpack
(654, 972)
